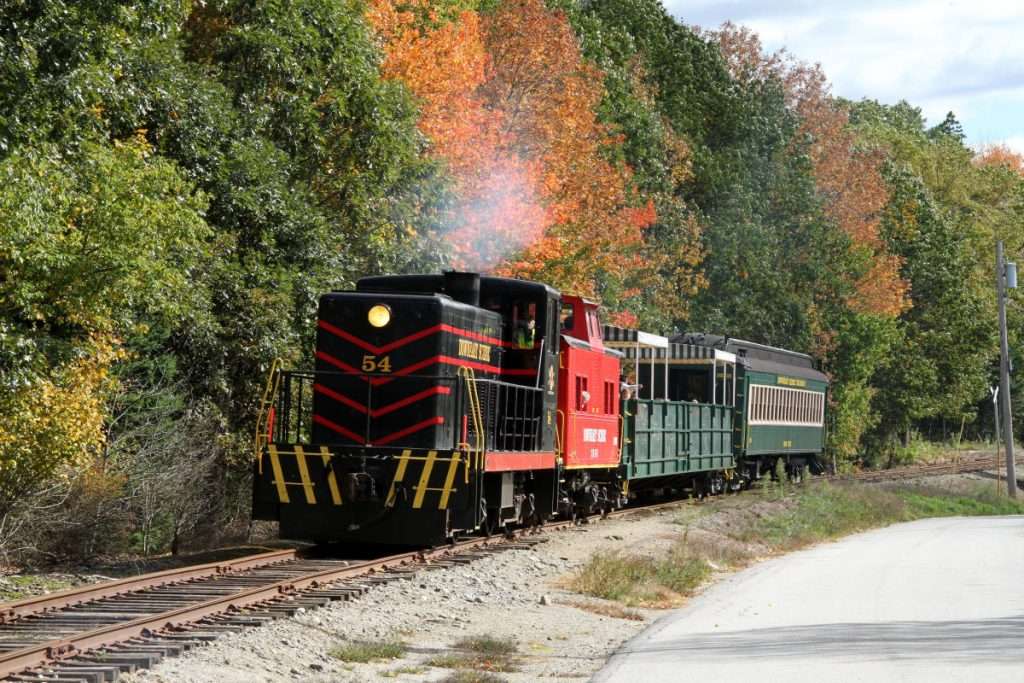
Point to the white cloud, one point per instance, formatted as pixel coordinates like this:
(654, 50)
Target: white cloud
(940, 56)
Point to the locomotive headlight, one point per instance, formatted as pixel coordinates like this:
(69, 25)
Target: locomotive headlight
(379, 315)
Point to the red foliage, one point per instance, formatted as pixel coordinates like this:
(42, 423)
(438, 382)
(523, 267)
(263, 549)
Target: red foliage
(445, 64)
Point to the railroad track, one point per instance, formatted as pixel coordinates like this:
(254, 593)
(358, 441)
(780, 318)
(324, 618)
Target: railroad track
(972, 462)
(94, 633)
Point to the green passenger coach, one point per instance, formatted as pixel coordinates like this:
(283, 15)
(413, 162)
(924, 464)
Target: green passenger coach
(781, 401)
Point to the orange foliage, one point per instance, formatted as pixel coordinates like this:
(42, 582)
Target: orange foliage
(1001, 155)
(509, 103)
(848, 178)
(445, 65)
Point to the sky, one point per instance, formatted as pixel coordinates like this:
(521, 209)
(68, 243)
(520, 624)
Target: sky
(942, 55)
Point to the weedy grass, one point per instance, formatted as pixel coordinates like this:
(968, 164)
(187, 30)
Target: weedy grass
(480, 654)
(363, 651)
(812, 513)
(18, 586)
(823, 512)
(605, 609)
(639, 580)
(470, 676)
(935, 503)
(410, 670)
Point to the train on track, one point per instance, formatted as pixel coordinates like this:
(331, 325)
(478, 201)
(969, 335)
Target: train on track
(443, 405)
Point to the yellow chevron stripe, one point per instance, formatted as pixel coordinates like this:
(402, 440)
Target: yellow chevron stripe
(453, 467)
(403, 462)
(332, 479)
(307, 482)
(421, 489)
(275, 467)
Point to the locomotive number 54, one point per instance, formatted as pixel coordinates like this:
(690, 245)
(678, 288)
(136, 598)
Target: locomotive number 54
(371, 364)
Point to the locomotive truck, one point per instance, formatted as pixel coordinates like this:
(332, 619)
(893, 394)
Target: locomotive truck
(448, 404)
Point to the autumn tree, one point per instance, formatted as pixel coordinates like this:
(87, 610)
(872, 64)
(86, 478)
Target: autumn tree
(510, 105)
(848, 177)
(441, 57)
(943, 214)
(1000, 156)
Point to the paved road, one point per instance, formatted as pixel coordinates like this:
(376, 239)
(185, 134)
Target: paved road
(930, 601)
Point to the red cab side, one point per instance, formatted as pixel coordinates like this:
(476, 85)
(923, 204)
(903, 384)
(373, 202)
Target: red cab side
(588, 392)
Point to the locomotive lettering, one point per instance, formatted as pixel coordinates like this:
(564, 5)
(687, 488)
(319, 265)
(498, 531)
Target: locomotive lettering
(792, 381)
(475, 350)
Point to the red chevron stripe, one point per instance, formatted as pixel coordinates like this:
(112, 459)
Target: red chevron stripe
(338, 428)
(383, 410)
(411, 399)
(408, 430)
(340, 398)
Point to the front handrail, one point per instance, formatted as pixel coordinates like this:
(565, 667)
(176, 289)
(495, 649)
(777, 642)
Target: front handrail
(505, 416)
(469, 378)
(267, 402)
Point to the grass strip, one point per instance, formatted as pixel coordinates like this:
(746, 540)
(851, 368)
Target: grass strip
(809, 514)
(479, 653)
(639, 580)
(363, 651)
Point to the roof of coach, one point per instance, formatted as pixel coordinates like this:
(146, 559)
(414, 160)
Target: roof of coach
(759, 357)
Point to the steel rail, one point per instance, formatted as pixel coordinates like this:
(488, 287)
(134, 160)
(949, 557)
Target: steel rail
(74, 596)
(46, 652)
(975, 464)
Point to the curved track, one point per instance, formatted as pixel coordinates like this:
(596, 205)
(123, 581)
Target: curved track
(95, 632)
(92, 633)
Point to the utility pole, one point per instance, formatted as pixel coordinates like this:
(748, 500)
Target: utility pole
(1006, 275)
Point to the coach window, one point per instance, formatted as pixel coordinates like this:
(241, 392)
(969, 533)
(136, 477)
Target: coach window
(568, 317)
(582, 395)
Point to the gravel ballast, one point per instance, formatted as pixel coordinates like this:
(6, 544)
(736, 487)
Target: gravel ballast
(516, 595)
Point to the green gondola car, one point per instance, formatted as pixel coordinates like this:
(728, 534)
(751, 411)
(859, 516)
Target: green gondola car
(711, 412)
